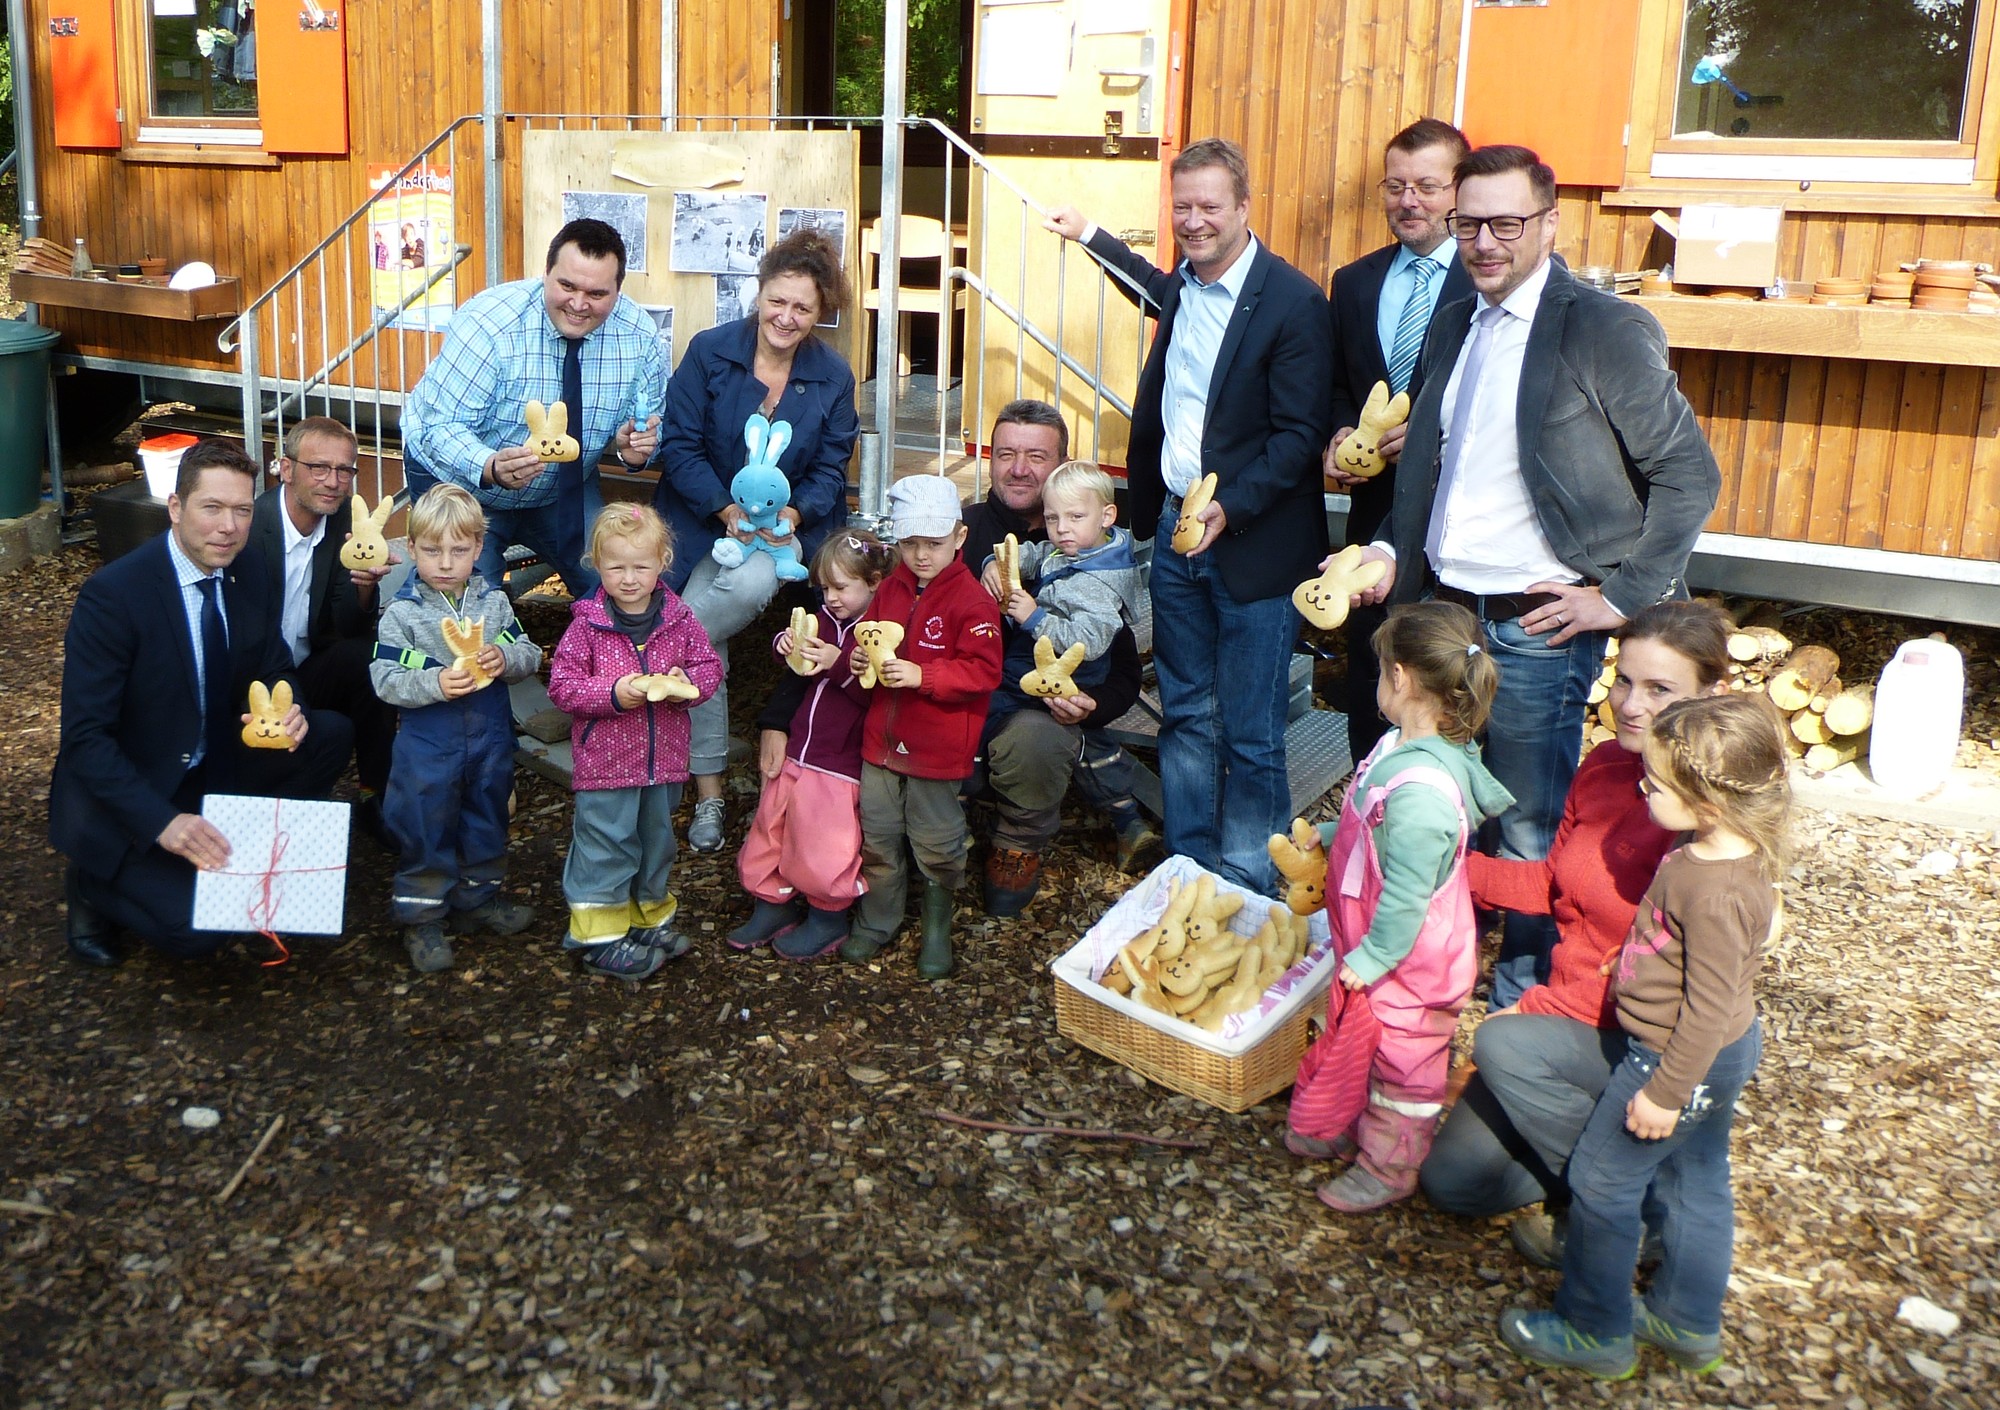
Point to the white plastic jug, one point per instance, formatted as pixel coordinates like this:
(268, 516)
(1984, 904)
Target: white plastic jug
(1919, 706)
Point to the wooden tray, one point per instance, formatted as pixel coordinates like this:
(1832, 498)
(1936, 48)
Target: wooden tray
(222, 299)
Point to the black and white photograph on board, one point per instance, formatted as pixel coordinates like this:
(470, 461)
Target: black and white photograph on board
(622, 211)
(663, 323)
(735, 297)
(718, 233)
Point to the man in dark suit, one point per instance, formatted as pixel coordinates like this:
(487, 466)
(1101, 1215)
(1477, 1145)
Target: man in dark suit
(161, 649)
(1554, 481)
(1235, 386)
(328, 614)
(1382, 308)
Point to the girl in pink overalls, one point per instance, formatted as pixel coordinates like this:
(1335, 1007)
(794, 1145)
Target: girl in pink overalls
(1373, 1086)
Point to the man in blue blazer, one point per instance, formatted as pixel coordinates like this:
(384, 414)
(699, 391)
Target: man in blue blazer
(1382, 308)
(1235, 386)
(161, 649)
(1553, 481)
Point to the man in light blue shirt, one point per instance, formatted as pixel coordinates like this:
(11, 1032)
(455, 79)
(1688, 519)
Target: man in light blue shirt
(569, 336)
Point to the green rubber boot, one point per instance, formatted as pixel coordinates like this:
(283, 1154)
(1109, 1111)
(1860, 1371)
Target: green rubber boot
(934, 960)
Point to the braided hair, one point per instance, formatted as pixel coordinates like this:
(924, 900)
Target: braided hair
(1726, 754)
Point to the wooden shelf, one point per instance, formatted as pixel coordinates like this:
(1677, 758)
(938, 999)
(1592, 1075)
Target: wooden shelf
(1812, 330)
(222, 299)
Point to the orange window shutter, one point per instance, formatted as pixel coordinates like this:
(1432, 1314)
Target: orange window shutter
(1556, 77)
(83, 74)
(302, 76)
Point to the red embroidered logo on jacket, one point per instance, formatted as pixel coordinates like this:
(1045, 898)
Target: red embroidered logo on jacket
(934, 632)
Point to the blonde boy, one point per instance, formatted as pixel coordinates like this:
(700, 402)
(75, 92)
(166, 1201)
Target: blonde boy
(453, 765)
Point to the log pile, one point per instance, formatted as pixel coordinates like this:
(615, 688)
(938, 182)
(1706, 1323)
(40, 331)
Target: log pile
(1826, 719)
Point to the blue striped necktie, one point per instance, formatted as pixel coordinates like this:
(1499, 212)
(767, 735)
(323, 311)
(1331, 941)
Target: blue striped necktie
(1411, 326)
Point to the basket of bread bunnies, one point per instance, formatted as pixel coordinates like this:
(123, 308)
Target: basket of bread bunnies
(1200, 984)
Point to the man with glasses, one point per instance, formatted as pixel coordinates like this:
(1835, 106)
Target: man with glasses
(1553, 480)
(328, 619)
(1382, 307)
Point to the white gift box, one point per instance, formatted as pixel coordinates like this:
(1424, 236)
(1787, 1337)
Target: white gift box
(287, 869)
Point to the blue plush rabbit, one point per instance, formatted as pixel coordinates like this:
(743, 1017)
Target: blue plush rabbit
(760, 490)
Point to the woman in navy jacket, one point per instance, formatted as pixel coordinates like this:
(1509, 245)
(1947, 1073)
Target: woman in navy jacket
(769, 363)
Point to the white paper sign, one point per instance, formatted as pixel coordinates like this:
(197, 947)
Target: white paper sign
(287, 870)
(1024, 52)
(1115, 17)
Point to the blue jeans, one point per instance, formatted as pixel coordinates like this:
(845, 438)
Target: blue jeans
(1688, 1175)
(1532, 742)
(537, 528)
(1223, 668)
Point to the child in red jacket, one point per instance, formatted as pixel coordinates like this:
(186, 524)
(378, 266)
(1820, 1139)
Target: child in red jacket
(631, 665)
(923, 724)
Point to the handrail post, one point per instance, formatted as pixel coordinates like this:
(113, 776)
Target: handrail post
(489, 121)
(253, 392)
(875, 478)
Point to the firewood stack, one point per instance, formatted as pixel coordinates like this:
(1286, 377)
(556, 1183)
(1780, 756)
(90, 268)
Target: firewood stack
(1826, 720)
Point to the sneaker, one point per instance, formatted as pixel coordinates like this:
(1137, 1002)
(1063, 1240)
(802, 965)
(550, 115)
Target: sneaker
(1135, 838)
(429, 951)
(1539, 1238)
(768, 920)
(629, 958)
(935, 960)
(1012, 879)
(819, 934)
(1545, 1339)
(665, 941)
(1313, 1148)
(705, 832)
(1357, 1191)
(497, 916)
(1694, 1352)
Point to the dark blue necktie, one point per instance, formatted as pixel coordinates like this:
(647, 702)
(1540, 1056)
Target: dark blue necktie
(218, 720)
(570, 477)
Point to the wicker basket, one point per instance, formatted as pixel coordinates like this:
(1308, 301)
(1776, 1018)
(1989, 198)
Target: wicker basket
(1231, 1073)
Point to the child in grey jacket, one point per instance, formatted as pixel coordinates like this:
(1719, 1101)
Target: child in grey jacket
(442, 643)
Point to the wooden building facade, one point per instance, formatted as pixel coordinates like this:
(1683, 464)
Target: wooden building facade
(1889, 445)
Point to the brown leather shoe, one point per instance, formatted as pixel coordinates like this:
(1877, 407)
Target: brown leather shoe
(1012, 879)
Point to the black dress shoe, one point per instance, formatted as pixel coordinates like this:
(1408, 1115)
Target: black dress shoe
(92, 938)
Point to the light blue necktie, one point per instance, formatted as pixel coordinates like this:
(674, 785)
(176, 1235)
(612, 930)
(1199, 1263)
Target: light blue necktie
(1461, 421)
(1411, 327)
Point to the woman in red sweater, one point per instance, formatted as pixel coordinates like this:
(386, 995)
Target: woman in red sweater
(1553, 1052)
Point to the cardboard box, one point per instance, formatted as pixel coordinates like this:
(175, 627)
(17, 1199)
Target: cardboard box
(1732, 246)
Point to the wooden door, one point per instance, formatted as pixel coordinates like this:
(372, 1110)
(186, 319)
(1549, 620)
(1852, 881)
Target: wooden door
(1076, 102)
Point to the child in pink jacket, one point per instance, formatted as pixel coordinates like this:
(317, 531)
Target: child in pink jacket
(631, 665)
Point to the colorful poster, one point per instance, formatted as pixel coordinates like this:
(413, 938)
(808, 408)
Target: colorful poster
(410, 239)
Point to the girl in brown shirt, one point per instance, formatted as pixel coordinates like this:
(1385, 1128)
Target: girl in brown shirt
(1682, 983)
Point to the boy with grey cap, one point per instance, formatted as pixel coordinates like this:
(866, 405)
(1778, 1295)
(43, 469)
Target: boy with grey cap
(924, 723)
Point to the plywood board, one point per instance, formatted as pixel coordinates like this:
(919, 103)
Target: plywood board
(820, 169)
(1060, 289)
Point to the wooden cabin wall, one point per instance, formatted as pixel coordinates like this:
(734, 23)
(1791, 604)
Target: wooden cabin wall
(412, 70)
(1834, 451)
(725, 56)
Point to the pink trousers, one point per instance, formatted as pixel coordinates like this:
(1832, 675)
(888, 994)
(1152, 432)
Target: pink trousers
(806, 840)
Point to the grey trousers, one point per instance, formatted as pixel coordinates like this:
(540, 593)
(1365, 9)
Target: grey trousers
(724, 601)
(621, 860)
(1507, 1141)
(901, 815)
(1028, 765)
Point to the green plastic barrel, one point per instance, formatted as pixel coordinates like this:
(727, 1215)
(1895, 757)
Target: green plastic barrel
(24, 414)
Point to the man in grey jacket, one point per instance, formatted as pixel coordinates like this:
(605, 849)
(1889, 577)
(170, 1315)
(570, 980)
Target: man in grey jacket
(1553, 480)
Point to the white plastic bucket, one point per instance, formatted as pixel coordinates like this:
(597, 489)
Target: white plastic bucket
(160, 458)
(1919, 707)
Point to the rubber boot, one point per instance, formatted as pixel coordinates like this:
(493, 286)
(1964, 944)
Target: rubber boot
(934, 960)
(768, 920)
(1393, 1147)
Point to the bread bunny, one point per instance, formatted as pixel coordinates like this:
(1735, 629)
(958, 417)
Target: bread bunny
(268, 709)
(366, 547)
(548, 433)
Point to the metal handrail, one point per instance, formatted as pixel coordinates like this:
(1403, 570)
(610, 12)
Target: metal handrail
(382, 319)
(1048, 345)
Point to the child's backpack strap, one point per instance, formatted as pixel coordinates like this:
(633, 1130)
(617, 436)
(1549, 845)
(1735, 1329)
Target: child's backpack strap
(1375, 805)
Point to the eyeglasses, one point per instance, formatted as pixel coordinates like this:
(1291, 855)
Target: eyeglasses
(1394, 189)
(320, 470)
(1465, 228)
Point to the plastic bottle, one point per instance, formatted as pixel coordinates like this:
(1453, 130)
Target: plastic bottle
(1919, 707)
(80, 266)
